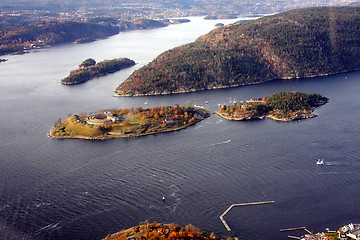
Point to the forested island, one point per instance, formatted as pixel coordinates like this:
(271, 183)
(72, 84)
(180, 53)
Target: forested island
(299, 43)
(282, 106)
(118, 123)
(89, 69)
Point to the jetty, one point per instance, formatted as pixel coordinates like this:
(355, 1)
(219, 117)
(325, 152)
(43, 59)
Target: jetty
(292, 229)
(239, 205)
(309, 236)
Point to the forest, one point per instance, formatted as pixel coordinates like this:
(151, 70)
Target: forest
(158, 231)
(51, 33)
(89, 69)
(18, 34)
(295, 44)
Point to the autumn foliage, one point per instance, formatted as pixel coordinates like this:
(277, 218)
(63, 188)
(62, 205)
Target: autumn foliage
(157, 231)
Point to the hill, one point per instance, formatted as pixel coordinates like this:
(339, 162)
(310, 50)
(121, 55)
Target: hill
(294, 44)
(51, 33)
(141, 24)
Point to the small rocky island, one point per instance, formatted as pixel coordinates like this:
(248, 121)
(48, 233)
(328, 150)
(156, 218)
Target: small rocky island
(89, 69)
(118, 123)
(282, 106)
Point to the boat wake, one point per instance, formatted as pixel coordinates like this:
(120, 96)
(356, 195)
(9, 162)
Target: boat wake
(50, 227)
(219, 143)
(342, 163)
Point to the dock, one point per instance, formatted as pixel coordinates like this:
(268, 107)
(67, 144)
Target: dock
(293, 237)
(239, 205)
(296, 228)
(292, 229)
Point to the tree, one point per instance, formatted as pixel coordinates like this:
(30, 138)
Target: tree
(126, 123)
(57, 123)
(87, 63)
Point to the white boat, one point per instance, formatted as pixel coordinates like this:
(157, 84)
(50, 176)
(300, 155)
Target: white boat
(320, 162)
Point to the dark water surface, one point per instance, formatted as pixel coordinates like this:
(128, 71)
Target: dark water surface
(80, 189)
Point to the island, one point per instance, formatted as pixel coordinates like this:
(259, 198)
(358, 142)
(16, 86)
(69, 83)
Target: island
(156, 230)
(282, 106)
(134, 122)
(89, 69)
(300, 43)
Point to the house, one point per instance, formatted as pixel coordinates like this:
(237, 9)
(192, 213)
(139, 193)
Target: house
(350, 231)
(259, 101)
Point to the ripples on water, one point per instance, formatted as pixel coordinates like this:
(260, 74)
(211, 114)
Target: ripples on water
(78, 189)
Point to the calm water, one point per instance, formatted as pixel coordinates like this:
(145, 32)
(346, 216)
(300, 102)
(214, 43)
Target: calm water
(80, 189)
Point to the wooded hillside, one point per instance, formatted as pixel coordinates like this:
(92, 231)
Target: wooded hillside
(294, 44)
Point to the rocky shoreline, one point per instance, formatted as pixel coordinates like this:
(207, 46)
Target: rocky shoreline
(290, 118)
(114, 136)
(122, 93)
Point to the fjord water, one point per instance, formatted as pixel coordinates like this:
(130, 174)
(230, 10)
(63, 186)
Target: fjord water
(80, 189)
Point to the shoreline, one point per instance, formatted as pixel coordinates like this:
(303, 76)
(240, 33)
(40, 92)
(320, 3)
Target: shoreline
(310, 114)
(113, 136)
(117, 94)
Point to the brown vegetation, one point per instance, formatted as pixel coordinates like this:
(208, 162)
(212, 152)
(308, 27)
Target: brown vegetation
(157, 231)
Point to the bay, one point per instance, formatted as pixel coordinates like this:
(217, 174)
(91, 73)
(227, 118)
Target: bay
(80, 189)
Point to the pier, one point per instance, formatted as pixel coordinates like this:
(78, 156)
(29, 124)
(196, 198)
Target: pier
(239, 205)
(292, 229)
(296, 228)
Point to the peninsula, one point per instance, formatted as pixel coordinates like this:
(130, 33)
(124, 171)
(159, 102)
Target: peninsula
(119, 123)
(21, 39)
(282, 106)
(162, 231)
(299, 43)
(89, 69)
(43, 34)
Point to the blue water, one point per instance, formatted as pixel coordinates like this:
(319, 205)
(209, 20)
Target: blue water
(80, 189)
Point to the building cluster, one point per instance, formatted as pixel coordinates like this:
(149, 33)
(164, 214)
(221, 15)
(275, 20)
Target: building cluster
(347, 232)
(350, 231)
(158, 10)
(102, 119)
